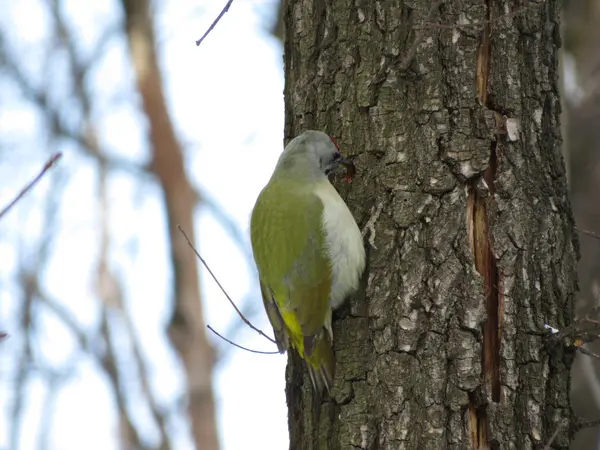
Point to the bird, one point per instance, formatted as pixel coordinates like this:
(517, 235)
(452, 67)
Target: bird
(308, 250)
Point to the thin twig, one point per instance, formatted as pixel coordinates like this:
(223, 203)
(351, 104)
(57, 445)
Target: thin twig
(212, 25)
(50, 400)
(129, 433)
(32, 183)
(246, 321)
(238, 345)
(111, 294)
(67, 319)
(589, 233)
(576, 328)
(142, 369)
(23, 373)
(581, 424)
(589, 373)
(551, 440)
(54, 117)
(587, 352)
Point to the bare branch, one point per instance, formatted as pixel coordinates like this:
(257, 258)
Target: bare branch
(246, 321)
(82, 134)
(212, 25)
(581, 424)
(111, 294)
(142, 369)
(240, 346)
(186, 324)
(54, 120)
(590, 376)
(106, 360)
(66, 319)
(22, 372)
(551, 440)
(32, 183)
(589, 233)
(580, 327)
(587, 351)
(130, 436)
(250, 306)
(47, 413)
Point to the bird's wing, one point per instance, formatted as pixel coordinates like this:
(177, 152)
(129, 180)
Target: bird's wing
(289, 248)
(281, 336)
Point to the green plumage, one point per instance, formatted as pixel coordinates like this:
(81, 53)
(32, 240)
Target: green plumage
(308, 250)
(294, 270)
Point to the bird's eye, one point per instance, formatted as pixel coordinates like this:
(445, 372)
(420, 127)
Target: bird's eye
(336, 156)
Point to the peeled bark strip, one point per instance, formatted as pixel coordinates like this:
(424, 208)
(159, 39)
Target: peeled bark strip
(461, 188)
(480, 238)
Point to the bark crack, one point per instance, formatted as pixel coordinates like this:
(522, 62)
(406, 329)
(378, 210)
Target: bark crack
(479, 230)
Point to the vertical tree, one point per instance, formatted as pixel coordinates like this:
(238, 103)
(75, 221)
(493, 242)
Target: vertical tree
(450, 110)
(186, 327)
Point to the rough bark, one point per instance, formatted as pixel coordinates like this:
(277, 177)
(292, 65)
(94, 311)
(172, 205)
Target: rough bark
(186, 327)
(462, 190)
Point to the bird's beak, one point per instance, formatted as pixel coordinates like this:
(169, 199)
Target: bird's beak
(349, 165)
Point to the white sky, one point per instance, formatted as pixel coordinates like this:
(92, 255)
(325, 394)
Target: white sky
(227, 104)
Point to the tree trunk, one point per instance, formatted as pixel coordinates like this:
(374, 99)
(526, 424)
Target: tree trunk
(186, 327)
(462, 193)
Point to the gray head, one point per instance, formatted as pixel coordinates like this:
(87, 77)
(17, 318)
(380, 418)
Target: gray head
(314, 154)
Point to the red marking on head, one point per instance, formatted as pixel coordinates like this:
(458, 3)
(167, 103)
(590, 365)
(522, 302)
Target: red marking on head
(334, 143)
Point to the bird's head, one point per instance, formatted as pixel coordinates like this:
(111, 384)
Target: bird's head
(314, 154)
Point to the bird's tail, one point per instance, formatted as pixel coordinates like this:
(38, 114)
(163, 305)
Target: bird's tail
(321, 364)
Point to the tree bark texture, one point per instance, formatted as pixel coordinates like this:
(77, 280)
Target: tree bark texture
(450, 110)
(186, 327)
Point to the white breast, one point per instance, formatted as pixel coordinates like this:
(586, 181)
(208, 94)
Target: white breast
(344, 243)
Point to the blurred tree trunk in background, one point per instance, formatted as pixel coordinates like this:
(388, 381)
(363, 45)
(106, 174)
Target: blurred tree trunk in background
(186, 327)
(582, 47)
(450, 110)
(582, 44)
